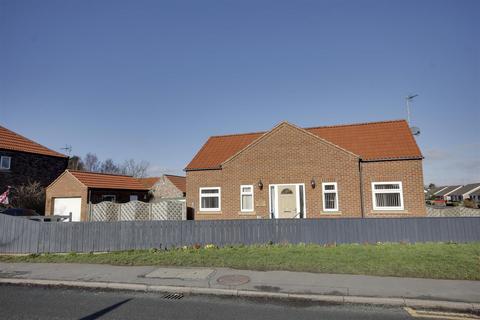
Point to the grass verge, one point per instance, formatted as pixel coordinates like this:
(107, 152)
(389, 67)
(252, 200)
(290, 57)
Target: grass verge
(422, 260)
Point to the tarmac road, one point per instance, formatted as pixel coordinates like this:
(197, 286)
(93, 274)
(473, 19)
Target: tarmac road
(25, 302)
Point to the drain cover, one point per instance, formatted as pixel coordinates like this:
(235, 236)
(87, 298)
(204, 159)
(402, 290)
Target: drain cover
(173, 296)
(233, 280)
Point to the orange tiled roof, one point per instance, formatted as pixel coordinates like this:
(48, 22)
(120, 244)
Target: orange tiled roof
(179, 181)
(149, 182)
(10, 140)
(385, 140)
(107, 181)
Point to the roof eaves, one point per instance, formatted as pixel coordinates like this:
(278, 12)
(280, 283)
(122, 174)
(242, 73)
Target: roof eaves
(356, 124)
(392, 159)
(200, 169)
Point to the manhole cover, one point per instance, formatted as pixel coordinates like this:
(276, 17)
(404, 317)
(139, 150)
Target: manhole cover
(233, 280)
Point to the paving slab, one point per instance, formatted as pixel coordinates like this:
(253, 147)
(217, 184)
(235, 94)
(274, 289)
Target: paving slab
(181, 273)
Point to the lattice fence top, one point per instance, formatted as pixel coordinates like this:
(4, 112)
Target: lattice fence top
(170, 209)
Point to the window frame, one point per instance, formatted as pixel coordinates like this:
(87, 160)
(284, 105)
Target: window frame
(219, 194)
(336, 209)
(251, 193)
(399, 190)
(9, 162)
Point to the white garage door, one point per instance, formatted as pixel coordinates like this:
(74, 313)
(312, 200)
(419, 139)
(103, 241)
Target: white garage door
(63, 206)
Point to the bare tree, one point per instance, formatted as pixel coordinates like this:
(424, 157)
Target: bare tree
(132, 168)
(91, 162)
(29, 196)
(108, 166)
(75, 163)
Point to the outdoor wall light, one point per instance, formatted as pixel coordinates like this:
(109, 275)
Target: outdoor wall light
(260, 184)
(313, 183)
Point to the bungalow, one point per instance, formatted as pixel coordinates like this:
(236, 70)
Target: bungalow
(358, 170)
(166, 186)
(23, 160)
(444, 194)
(464, 192)
(430, 192)
(74, 190)
(475, 196)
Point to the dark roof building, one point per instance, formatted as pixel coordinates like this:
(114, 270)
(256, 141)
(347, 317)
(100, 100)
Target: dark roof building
(23, 160)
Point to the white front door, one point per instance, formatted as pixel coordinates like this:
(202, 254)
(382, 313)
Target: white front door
(287, 201)
(63, 206)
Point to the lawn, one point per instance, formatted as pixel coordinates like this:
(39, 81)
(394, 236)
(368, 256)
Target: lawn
(423, 260)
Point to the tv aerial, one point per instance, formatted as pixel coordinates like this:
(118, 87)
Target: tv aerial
(67, 149)
(408, 99)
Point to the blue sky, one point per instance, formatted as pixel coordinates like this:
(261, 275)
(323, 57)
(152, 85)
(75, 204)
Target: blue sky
(151, 80)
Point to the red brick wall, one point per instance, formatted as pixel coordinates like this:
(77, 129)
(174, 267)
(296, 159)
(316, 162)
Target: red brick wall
(288, 155)
(409, 172)
(66, 186)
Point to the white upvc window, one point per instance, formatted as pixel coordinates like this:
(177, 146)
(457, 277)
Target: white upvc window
(246, 198)
(387, 195)
(330, 196)
(210, 199)
(5, 162)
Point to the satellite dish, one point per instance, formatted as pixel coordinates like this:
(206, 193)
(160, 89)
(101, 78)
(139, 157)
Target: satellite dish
(415, 131)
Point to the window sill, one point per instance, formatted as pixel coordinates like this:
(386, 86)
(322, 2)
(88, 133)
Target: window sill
(388, 212)
(209, 212)
(331, 213)
(247, 213)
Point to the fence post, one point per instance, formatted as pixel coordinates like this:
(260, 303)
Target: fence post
(184, 210)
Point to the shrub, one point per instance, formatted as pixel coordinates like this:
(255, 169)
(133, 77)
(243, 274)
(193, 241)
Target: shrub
(29, 196)
(469, 203)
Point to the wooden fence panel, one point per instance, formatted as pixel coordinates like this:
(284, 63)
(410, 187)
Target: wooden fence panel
(18, 235)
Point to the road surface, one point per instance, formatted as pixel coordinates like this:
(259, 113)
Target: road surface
(22, 302)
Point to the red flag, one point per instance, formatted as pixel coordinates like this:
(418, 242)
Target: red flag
(4, 197)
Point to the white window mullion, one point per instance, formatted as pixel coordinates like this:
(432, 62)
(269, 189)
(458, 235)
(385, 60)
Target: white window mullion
(330, 196)
(246, 198)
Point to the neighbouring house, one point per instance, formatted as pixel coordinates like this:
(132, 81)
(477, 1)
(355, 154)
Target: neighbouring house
(23, 160)
(475, 196)
(73, 191)
(464, 192)
(430, 192)
(444, 193)
(357, 170)
(166, 186)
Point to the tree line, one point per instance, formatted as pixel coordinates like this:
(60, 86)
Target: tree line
(90, 162)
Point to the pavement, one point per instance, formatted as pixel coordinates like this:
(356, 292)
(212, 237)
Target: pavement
(335, 288)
